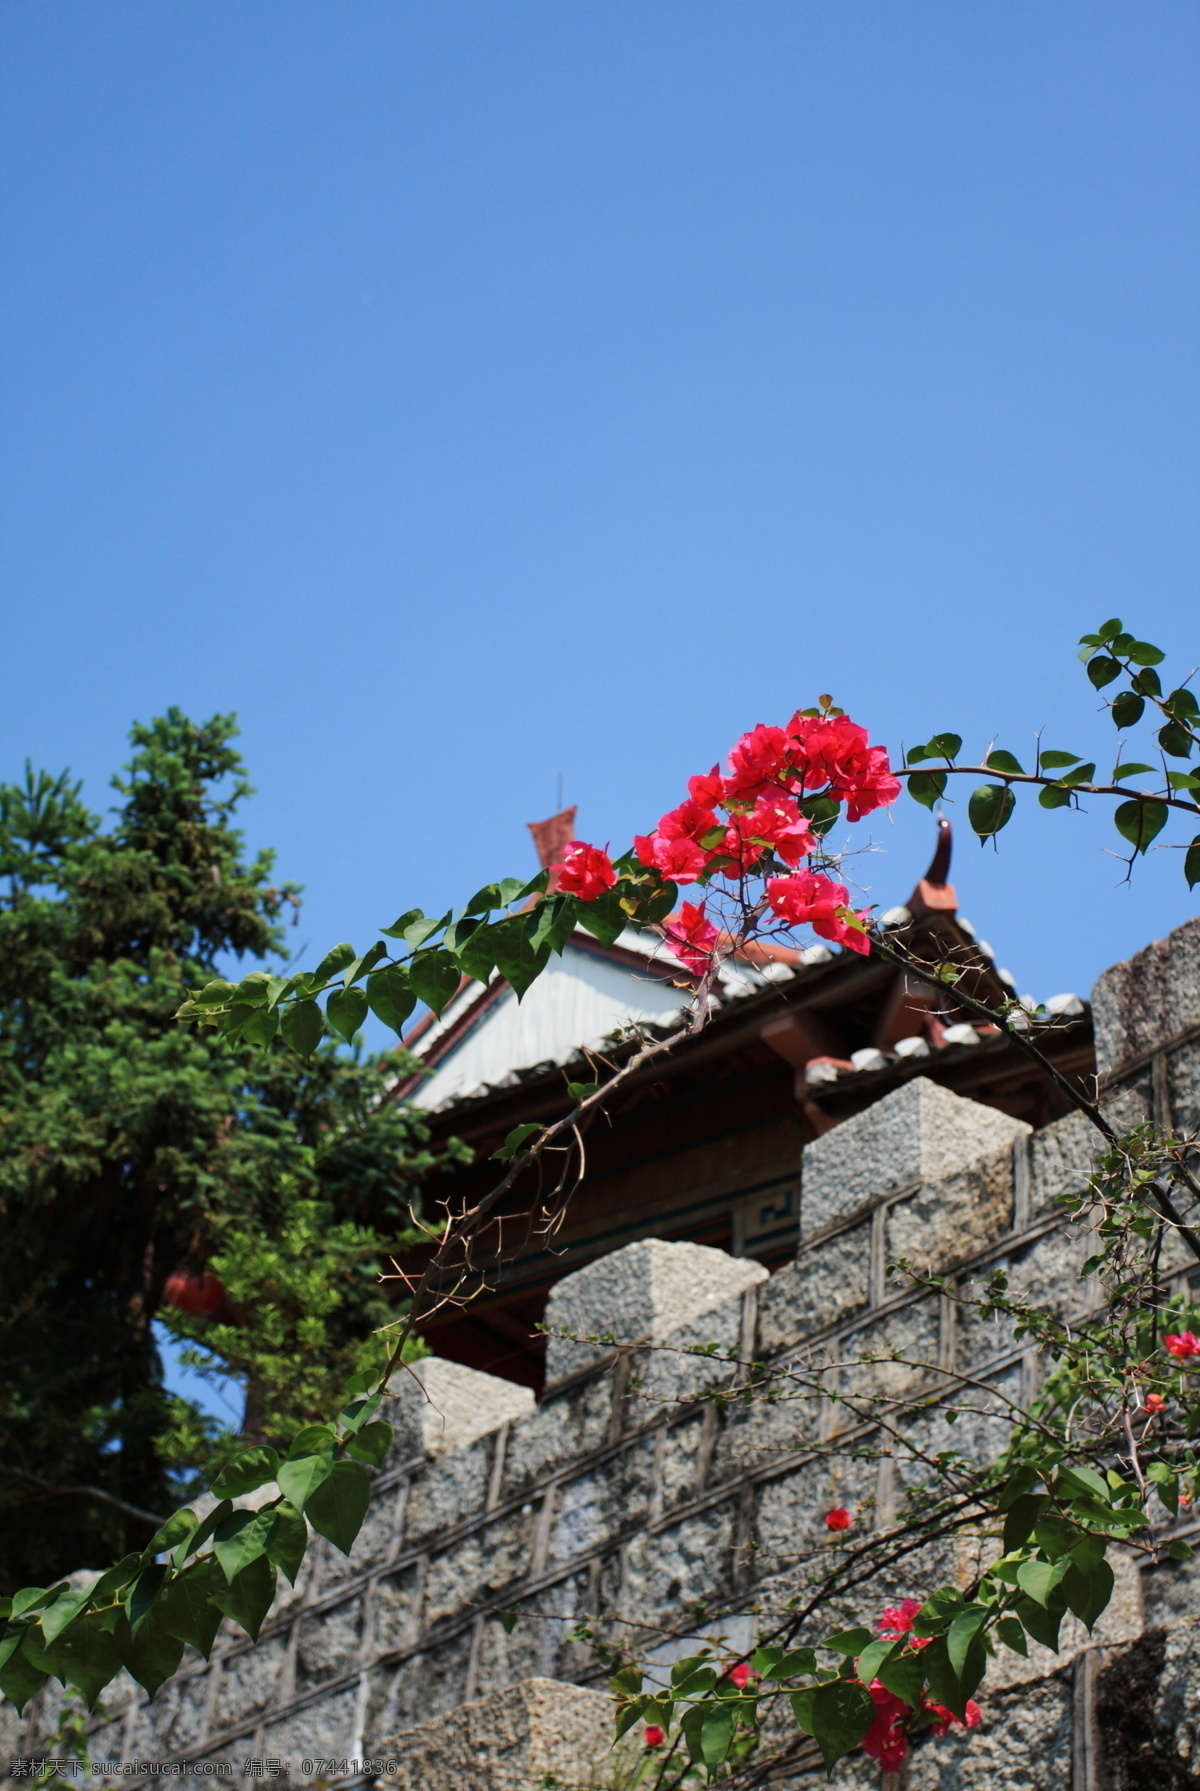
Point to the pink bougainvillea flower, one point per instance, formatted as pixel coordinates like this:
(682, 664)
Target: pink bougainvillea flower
(971, 1718)
(653, 1736)
(691, 937)
(708, 789)
(1183, 1345)
(812, 899)
(832, 751)
(682, 860)
(690, 821)
(885, 1740)
(756, 763)
(897, 1620)
(586, 871)
(838, 1519)
(741, 1674)
(1155, 1403)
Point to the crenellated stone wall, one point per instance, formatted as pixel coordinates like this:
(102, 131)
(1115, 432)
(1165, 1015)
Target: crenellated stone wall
(497, 1527)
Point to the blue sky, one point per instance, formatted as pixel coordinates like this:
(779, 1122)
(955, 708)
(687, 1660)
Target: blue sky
(469, 394)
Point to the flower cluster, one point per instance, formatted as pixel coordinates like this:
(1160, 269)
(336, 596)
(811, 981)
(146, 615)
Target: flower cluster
(887, 1738)
(759, 814)
(1185, 1344)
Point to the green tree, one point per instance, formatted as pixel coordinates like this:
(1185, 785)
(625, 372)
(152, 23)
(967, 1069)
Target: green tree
(131, 1146)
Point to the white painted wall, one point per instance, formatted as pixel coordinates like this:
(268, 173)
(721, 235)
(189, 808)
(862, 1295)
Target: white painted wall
(577, 1001)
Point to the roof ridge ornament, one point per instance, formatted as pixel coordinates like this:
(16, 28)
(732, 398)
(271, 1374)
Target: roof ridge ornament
(935, 894)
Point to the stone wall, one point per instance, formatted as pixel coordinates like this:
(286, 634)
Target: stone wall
(623, 1499)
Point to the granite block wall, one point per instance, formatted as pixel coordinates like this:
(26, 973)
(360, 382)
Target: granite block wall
(625, 1499)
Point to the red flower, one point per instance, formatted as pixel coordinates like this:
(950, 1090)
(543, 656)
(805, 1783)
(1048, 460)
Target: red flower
(653, 1736)
(811, 898)
(838, 1519)
(885, 1740)
(1155, 1403)
(691, 937)
(690, 821)
(1184, 1345)
(832, 750)
(971, 1718)
(190, 1292)
(707, 789)
(586, 871)
(741, 1673)
(756, 762)
(777, 821)
(682, 860)
(898, 1620)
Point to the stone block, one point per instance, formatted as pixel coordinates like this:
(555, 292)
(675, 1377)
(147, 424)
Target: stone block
(953, 1216)
(1061, 1160)
(820, 1288)
(640, 1294)
(438, 1406)
(920, 1132)
(511, 1740)
(566, 1424)
(1148, 998)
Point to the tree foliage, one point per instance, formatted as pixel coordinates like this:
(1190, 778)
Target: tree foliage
(130, 1146)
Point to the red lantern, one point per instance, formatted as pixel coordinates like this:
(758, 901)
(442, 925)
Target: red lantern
(188, 1291)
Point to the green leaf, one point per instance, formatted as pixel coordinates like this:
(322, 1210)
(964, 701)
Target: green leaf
(945, 746)
(513, 1143)
(1148, 683)
(716, 1734)
(242, 1538)
(477, 957)
(1127, 708)
(962, 1633)
(516, 960)
(904, 1674)
(1020, 1519)
(1120, 771)
(802, 1708)
(116, 1578)
(1103, 670)
(331, 963)
(88, 1654)
(1142, 653)
(1180, 1550)
(1012, 1635)
(1054, 796)
(1003, 761)
(199, 1536)
(214, 994)
(302, 1025)
(187, 1608)
(1175, 740)
(20, 1680)
(842, 1712)
(604, 918)
(64, 1610)
(1087, 1592)
(1183, 780)
(848, 1641)
(337, 1507)
(398, 927)
(873, 1657)
(355, 1414)
(390, 996)
(1140, 822)
(1040, 1578)
(180, 1524)
(288, 1540)
(1077, 1478)
(260, 1028)
(30, 1597)
(147, 1587)
(367, 962)
(372, 1443)
(1182, 704)
(552, 922)
(1082, 774)
(309, 1462)
(926, 787)
(246, 1472)
(1052, 761)
(423, 928)
(249, 1597)
(346, 1010)
(990, 808)
(152, 1654)
(435, 977)
(1191, 863)
(791, 1663)
(948, 1686)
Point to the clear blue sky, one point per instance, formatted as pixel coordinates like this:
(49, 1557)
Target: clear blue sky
(469, 393)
